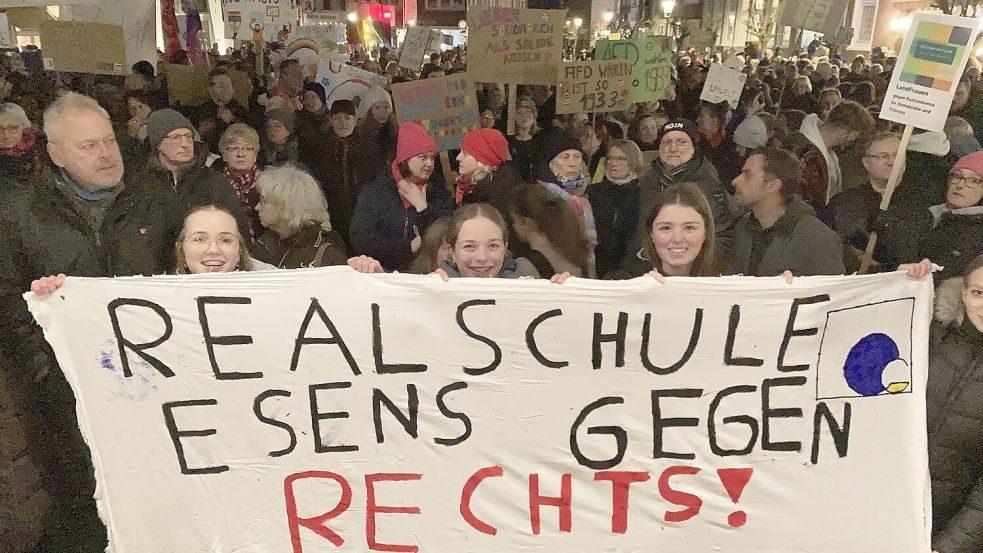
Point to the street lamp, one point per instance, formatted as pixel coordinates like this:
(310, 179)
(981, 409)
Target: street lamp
(668, 6)
(577, 22)
(608, 16)
(411, 23)
(352, 16)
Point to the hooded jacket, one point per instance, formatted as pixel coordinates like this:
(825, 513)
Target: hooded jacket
(954, 402)
(821, 175)
(797, 242)
(698, 171)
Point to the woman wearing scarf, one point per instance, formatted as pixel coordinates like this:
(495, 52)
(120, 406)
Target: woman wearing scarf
(20, 154)
(614, 202)
(487, 175)
(562, 171)
(958, 234)
(280, 143)
(679, 162)
(239, 146)
(393, 212)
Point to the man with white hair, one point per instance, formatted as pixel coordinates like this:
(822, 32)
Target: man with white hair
(81, 217)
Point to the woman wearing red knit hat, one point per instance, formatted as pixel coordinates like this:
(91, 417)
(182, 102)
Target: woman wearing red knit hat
(487, 174)
(393, 212)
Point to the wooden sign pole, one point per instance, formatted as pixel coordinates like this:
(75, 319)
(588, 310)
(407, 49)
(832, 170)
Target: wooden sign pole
(892, 183)
(445, 165)
(512, 91)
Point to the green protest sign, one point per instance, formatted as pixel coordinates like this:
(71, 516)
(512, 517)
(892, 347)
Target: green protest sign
(651, 64)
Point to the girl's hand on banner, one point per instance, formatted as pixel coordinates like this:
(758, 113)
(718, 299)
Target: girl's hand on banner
(46, 286)
(657, 276)
(560, 278)
(917, 270)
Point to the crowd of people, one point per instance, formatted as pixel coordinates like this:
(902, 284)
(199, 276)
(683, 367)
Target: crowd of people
(100, 177)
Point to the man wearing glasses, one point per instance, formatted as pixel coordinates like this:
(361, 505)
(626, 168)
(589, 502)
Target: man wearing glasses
(180, 161)
(855, 212)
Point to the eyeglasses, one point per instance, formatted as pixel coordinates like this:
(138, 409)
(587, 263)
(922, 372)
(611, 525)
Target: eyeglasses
(240, 150)
(969, 182)
(622, 159)
(179, 138)
(884, 157)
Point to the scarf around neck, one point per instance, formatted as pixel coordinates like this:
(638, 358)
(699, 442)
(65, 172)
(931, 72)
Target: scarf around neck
(422, 185)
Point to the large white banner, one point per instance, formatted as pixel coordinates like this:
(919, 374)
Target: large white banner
(324, 410)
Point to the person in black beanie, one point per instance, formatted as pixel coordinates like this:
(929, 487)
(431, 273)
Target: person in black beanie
(315, 110)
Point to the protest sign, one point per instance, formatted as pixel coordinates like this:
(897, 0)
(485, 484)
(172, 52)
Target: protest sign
(510, 45)
(723, 84)
(5, 39)
(309, 43)
(824, 16)
(594, 86)
(25, 3)
(651, 60)
(327, 410)
(258, 20)
(346, 82)
(83, 47)
(420, 42)
(929, 67)
(447, 107)
(187, 85)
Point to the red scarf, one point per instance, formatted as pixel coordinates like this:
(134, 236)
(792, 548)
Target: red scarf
(27, 152)
(422, 185)
(247, 193)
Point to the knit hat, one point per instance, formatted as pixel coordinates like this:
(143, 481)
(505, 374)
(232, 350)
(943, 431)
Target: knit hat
(411, 141)
(488, 146)
(375, 95)
(682, 125)
(162, 122)
(343, 106)
(557, 142)
(751, 133)
(318, 89)
(973, 162)
(286, 116)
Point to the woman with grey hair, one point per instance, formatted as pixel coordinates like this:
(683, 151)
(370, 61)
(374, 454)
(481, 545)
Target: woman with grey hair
(21, 157)
(239, 146)
(615, 203)
(293, 208)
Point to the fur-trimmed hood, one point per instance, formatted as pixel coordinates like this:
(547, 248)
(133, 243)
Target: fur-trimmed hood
(949, 308)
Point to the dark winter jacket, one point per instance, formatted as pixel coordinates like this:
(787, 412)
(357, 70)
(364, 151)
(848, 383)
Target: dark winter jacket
(724, 158)
(497, 189)
(955, 241)
(797, 242)
(615, 209)
(44, 234)
(275, 155)
(698, 171)
(525, 153)
(198, 185)
(383, 228)
(954, 400)
(206, 120)
(855, 212)
(310, 247)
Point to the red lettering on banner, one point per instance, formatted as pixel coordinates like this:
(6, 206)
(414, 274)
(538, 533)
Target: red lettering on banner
(315, 524)
(692, 503)
(563, 502)
(469, 487)
(620, 481)
(371, 508)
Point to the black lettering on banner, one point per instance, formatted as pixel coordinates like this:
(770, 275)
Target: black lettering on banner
(123, 344)
(410, 422)
(531, 340)
(381, 367)
(212, 341)
(659, 423)
(317, 417)
(840, 433)
(620, 436)
(747, 420)
(177, 434)
(442, 405)
(258, 411)
(791, 332)
(767, 413)
(694, 338)
(334, 339)
(483, 339)
(729, 359)
(618, 338)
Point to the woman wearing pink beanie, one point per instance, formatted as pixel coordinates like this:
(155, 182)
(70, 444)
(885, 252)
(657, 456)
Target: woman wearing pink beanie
(393, 212)
(958, 234)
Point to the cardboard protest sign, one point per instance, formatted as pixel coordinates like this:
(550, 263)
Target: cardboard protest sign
(327, 410)
(510, 45)
(25, 3)
(258, 20)
(651, 60)
(346, 82)
(447, 107)
(83, 47)
(188, 85)
(420, 42)
(594, 86)
(723, 84)
(825, 16)
(930, 64)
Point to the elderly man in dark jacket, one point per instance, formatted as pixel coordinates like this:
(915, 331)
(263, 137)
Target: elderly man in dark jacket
(80, 217)
(180, 162)
(954, 401)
